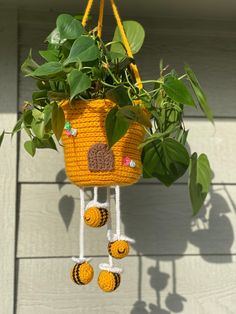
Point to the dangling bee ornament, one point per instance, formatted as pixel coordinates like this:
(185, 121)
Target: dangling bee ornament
(118, 249)
(96, 217)
(82, 273)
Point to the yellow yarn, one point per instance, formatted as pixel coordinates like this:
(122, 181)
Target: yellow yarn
(126, 44)
(108, 281)
(96, 217)
(88, 118)
(82, 274)
(118, 249)
(86, 13)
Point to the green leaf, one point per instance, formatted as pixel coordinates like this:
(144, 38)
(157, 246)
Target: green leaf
(177, 91)
(2, 137)
(200, 177)
(84, 49)
(58, 121)
(48, 69)
(38, 96)
(45, 143)
(201, 97)
(18, 125)
(116, 127)
(47, 113)
(69, 27)
(29, 65)
(50, 55)
(38, 128)
(119, 95)
(54, 38)
(135, 114)
(165, 159)
(135, 34)
(78, 82)
(30, 148)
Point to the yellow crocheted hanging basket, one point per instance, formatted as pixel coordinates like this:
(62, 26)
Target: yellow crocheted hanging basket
(88, 160)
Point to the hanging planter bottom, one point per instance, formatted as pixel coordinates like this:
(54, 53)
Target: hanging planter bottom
(88, 160)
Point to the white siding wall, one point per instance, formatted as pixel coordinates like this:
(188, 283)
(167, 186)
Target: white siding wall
(178, 265)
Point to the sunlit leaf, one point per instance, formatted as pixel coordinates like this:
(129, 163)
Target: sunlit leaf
(200, 177)
(69, 27)
(177, 91)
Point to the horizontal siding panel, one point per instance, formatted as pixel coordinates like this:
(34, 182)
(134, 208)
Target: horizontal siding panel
(217, 142)
(158, 218)
(149, 285)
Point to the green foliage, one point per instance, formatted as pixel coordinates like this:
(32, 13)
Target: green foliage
(78, 65)
(78, 82)
(58, 121)
(199, 180)
(116, 126)
(201, 97)
(135, 34)
(166, 159)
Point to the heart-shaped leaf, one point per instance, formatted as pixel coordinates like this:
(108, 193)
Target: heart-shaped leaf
(177, 91)
(69, 27)
(30, 147)
(200, 177)
(84, 49)
(119, 95)
(135, 34)
(116, 127)
(48, 69)
(166, 159)
(78, 82)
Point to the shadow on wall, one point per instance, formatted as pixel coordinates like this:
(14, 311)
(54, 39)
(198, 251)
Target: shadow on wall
(160, 221)
(167, 230)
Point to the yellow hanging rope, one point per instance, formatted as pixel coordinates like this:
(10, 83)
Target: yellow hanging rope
(126, 44)
(100, 19)
(134, 67)
(87, 12)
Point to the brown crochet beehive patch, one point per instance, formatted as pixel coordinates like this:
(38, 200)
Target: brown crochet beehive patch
(100, 158)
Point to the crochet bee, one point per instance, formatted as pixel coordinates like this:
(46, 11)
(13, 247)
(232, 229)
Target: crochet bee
(96, 217)
(118, 249)
(108, 281)
(82, 273)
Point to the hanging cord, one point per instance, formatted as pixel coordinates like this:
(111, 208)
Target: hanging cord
(100, 19)
(81, 258)
(82, 208)
(126, 44)
(117, 194)
(109, 223)
(87, 12)
(95, 194)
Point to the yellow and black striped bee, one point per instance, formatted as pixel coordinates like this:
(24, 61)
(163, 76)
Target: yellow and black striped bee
(96, 217)
(82, 274)
(118, 249)
(108, 281)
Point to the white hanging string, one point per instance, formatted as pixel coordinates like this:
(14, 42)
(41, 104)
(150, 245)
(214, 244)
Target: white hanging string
(109, 223)
(95, 194)
(82, 208)
(117, 195)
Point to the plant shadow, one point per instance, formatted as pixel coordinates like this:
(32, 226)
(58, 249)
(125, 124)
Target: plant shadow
(164, 233)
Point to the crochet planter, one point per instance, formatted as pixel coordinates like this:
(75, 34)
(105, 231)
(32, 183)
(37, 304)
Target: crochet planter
(88, 160)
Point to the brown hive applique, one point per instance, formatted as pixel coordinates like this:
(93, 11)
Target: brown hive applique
(100, 158)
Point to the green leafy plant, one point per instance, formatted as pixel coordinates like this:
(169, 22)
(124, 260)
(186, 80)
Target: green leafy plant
(79, 65)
